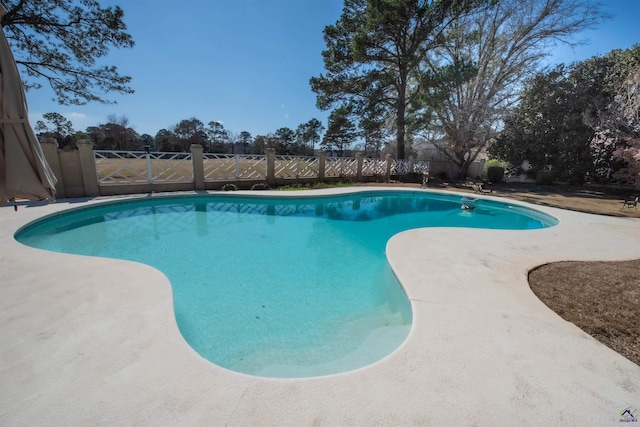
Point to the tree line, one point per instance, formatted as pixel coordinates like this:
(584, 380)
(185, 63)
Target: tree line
(581, 121)
(467, 76)
(117, 134)
(445, 71)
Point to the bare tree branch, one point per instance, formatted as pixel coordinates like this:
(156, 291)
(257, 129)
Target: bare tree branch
(60, 41)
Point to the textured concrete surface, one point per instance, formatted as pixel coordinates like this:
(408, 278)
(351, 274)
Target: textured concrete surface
(90, 341)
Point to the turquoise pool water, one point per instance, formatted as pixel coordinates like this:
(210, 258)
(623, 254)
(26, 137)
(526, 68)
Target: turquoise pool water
(280, 287)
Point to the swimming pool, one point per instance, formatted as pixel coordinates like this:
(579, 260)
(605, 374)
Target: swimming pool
(275, 286)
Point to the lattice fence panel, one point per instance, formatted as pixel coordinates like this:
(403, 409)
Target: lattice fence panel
(373, 167)
(171, 167)
(138, 167)
(225, 167)
(252, 167)
(118, 167)
(219, 167)
(403, 167)
(511, 171)
(296, 167)
(341, 167)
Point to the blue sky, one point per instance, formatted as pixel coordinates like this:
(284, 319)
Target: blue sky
(247, 63)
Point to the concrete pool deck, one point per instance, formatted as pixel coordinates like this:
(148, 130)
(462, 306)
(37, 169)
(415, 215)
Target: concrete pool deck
(92, 341)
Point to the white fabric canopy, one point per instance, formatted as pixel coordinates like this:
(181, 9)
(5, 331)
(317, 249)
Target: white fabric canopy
(24, 171)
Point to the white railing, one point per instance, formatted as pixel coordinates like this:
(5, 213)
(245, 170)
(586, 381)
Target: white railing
(141, 167)
(296, 167)
(511, 171)
(229, 167)
(403, 167)
(374, 167)
(341, 167)
(116, 167)
(171, 167)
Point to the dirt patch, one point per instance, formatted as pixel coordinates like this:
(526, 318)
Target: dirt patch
(601, 298)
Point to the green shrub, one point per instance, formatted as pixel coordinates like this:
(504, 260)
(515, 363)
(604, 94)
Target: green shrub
(493, 162)
(545, 177)
(229, 187)
(495, 173)
(260, 186)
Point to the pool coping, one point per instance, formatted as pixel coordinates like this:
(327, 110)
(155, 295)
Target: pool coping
(94, 341)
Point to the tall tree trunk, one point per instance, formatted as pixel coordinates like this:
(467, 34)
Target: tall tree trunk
(400, 113)
(400, 132)
(467, 160)
(464, 170)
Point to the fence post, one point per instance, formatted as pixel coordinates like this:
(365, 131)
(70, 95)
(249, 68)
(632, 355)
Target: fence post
(197, 161)
(50, 150)
(359, 159)
(389, 161)
(88, 167)
(271, 165)
(149, 168)
(322, 161)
